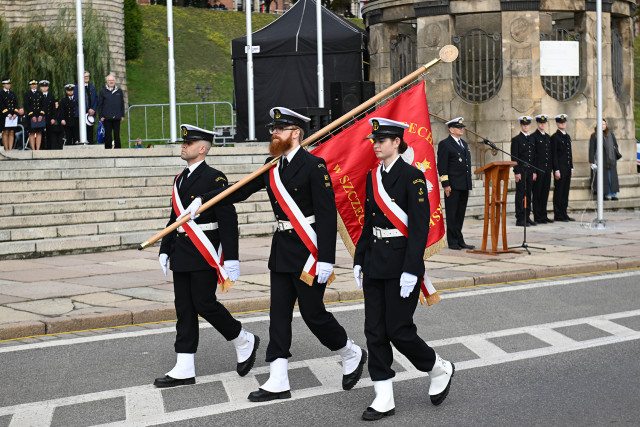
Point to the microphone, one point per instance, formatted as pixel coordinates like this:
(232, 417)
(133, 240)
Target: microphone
(490, 144)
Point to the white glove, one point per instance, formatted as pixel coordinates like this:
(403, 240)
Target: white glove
(357, 274)
(323, 271)
(594, 166)
(163, 259)
(192, 209)
(407, 283)
(232, 267)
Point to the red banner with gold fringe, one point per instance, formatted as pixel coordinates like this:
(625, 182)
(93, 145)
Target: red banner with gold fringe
(350, 157)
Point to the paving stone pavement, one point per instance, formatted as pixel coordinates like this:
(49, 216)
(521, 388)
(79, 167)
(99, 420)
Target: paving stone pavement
(107, 289)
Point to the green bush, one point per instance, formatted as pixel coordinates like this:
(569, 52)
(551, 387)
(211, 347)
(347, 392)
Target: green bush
(132, 29)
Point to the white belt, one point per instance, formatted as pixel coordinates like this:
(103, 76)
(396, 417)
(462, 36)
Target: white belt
(382, 233)
(204, 227)
(286, 225)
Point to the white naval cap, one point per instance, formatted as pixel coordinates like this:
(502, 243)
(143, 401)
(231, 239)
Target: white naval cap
(542, 118)
(561, 118)
(381, 127)
(525, 120)
(285, 116)
(194, 133)
(456, 123)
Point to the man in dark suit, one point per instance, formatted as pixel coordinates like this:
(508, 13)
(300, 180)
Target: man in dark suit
(196, 251)
(563, 169)
(301, 186)
(523, 151)
(392, 262)
(49, 107)
(91, 103)
(543, 160)
(454, 168)
(70, 115)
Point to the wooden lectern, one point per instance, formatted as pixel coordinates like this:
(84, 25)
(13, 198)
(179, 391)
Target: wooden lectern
(495, 205)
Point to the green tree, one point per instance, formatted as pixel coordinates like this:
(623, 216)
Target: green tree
(132, 29)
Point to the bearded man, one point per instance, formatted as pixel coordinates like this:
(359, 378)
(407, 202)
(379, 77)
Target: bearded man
(302, 252)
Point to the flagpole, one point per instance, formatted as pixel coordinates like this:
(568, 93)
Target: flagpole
(173, 128)
(320, 64)
(82, 100)
(447, 54)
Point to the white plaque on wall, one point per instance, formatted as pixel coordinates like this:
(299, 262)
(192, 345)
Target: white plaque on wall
(559, 58)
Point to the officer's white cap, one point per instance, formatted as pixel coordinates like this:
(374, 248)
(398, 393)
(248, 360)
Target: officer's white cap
(281, 115)
(457, 122)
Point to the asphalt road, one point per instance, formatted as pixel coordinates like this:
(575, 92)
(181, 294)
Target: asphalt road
(553, 352)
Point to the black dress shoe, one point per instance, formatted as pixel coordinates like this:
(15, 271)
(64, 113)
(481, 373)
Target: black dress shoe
(264, 396)
(530, 222)
(614, 198)
(541, 221)
(439, 398)
(168, 381)
(455, 247)
(570, 219)
(465, 246)
(520, 223)
(607, 198)
(243, 368)
(350, 380)
(371, 414)
(548, 221)
(561, 220)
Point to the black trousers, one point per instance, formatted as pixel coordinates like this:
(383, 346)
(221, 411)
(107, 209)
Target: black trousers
(54, 140)
(285, 288)
(456, 206)
(195, 294)
(111, 126)
(561, 195)
(90, 131)
(522, 213)
(388, 319)
(72, 134)
(541, 196)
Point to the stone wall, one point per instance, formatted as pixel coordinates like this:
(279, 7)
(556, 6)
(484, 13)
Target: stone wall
(519, 23)
(45, 13)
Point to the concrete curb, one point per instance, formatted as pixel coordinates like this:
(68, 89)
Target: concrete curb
(160, 313)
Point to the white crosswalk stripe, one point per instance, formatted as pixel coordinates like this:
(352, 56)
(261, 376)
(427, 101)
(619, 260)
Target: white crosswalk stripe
(144, 405)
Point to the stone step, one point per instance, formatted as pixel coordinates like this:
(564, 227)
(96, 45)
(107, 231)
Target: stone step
(75, 184)
(89, 194)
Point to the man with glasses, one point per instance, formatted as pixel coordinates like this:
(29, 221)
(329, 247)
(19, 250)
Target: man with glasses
(303, 202)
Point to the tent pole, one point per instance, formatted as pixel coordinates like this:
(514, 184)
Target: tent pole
(320, 65)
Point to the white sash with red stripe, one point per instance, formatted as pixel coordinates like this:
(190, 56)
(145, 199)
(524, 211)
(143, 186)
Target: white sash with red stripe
(400, 220)
(213, 257)
(299, 222)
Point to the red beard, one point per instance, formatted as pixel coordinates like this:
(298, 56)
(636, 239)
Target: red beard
(278, 145)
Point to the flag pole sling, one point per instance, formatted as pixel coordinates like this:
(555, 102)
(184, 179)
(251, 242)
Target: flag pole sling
(447, 54)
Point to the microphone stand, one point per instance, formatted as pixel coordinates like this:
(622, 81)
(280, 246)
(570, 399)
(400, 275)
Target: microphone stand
(526, 165)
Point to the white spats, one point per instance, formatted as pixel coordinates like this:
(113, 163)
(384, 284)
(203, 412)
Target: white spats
(351, 355)
(278, 377)
(185, 367)
(440, 376)
(384, 396)
(244, 345)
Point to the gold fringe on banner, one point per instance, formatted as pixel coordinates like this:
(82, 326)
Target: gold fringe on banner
(435, 248)
(308, 279)
(346, 238)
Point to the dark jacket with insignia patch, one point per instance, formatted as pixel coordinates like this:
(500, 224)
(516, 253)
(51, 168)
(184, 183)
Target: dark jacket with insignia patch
(183, 254)
(307, 181)
(454, 164)
(562, 155)
(543, 159)
(388, 258)
(523, 148)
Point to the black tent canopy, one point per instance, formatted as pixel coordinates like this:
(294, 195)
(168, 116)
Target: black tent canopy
(285, 69)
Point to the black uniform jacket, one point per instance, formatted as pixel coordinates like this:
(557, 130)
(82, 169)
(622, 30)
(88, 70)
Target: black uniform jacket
(454, 164)
(182, 252)
(388, 258)
(69, 111)
(33, 104)
(522, 149)
(8, 103)
(48, 106)
(561, 149)
(543, 159)
(307, 181)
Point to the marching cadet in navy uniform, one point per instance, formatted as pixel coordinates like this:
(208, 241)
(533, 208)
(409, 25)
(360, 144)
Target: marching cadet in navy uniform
(392, 266)
(523, 150)
(302, 177)
(543, 160)
(195, 278)
(454, 168)
(8, 108)
(563, 169)
(48, 106)
(70, 115)
(34, 114)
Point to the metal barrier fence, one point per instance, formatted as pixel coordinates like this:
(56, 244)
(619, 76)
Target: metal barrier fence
(150, 122)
